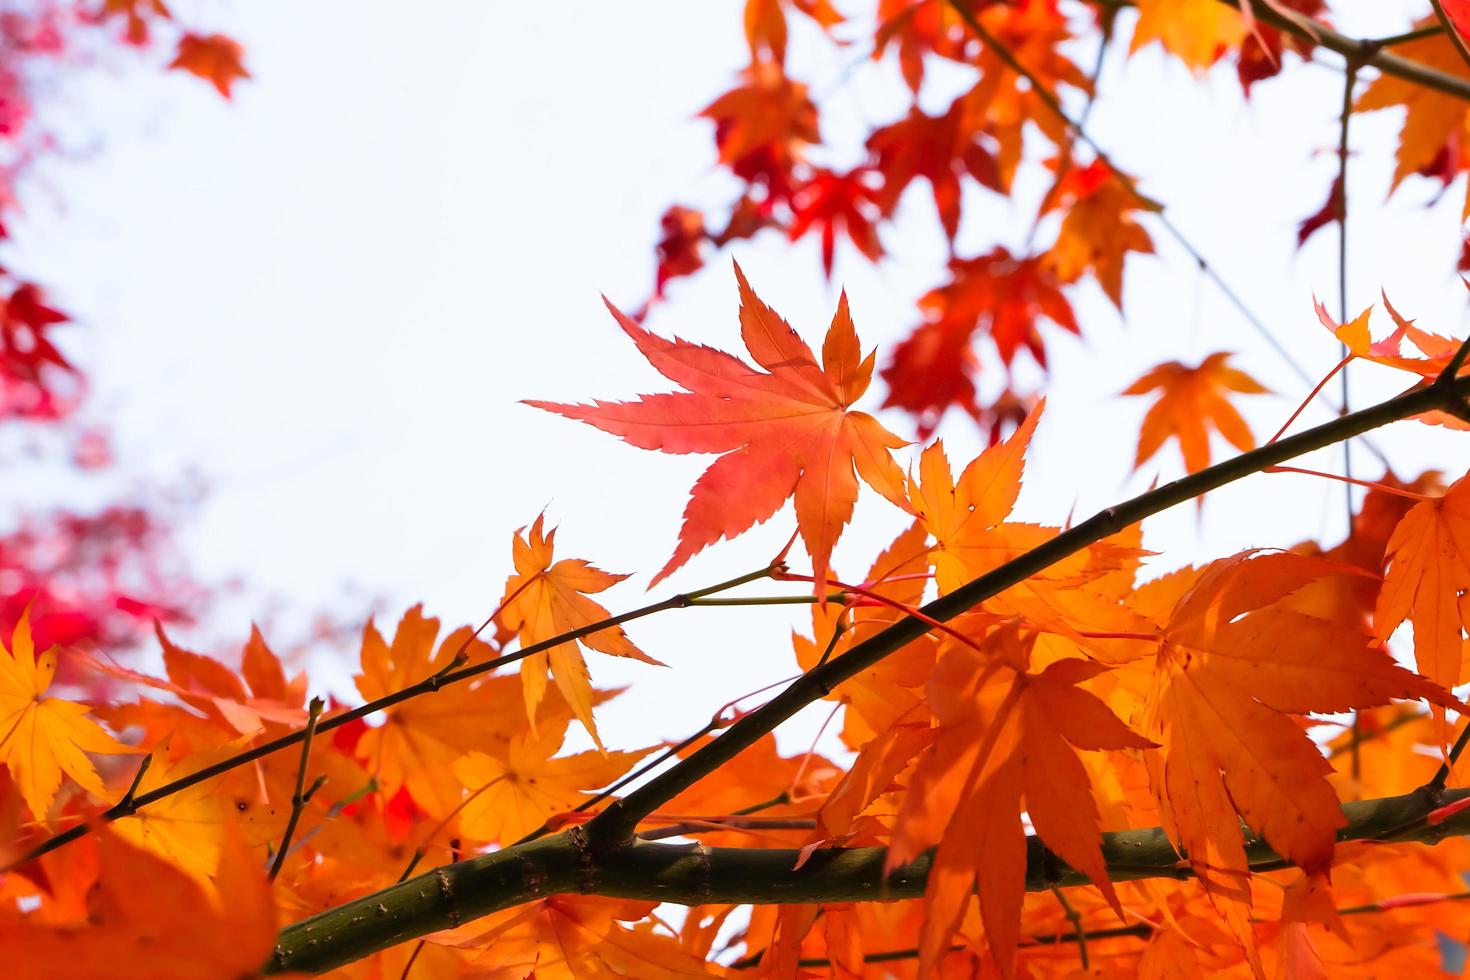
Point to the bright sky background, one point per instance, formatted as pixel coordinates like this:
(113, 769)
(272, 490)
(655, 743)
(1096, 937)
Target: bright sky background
(327, 297)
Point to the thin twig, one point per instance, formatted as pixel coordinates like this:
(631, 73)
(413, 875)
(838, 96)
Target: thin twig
(299, 798)
(1417, 34)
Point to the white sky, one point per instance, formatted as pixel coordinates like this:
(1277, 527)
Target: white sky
(328, 296)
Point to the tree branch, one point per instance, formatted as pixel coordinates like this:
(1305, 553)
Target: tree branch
(690, 874)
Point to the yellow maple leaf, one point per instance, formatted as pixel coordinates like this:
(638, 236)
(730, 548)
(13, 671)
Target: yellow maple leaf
(41, 738)
(1197, 32)
(187, 828)
(545, 599)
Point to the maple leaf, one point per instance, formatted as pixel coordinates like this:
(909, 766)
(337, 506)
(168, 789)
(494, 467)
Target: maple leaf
(149, 921)
(1234, 663)
(679, 247)
(763, 127)
(934, 368)
(765, 23)
(189, 829)
(209, 686)
(961, 513)
(41, 737)
(1190, 397)
(942, 150)
(217, 59)
(785, 432)
(544, 599)
(965, 517)
(1435, 139)
(137, 13)
(1098, 230)
(1197, 32)
(1329, 213)
(1428, 567)
(1004, 295)
(1004, 733)
(515, 792)
(420, 739)
(1035, 33)
(829, 200)
(1261, 53)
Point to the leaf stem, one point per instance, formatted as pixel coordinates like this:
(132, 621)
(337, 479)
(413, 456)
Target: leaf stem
(1370, 484)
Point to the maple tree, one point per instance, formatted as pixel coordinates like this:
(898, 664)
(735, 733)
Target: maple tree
(1052, 759)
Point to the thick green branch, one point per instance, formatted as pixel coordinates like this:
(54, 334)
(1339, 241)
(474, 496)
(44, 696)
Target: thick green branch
(617, 823)
(691, 874)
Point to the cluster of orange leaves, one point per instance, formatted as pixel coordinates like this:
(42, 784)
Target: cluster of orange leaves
(1082, 700)
(996, 302)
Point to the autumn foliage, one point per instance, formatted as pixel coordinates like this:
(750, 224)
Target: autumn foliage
(1051, 758)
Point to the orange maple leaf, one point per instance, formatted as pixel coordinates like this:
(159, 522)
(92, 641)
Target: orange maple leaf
(41, 738)
(218, 692)
(137, 13)
(765, 23)
(1190, 397)
(998, 294)
(1197, 32)
(1436, 128)
(420, 739)
(217, 59)
(1429, 566)
(1004, 734)
(787, 433)
(941, 149)
(763, 127)
(1234, 663)
(516, 791)
(147, 920)
(1099, 228)
(544, 599)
